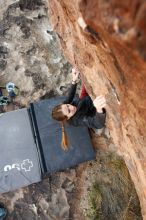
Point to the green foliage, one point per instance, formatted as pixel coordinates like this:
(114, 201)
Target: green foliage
(118, 164)
(94, 200)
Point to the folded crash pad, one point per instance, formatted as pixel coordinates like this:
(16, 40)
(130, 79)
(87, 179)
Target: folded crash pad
(19, 162)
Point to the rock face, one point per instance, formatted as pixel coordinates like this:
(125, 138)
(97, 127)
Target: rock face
(29, 53)
(30, 57)
(110, 54)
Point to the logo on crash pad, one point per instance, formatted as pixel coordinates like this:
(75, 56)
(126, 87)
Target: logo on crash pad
(26, 166)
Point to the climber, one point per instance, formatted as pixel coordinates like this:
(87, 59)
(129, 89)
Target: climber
(80, 111)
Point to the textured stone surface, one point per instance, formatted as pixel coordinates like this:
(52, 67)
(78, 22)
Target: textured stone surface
(64, 195)
(30, 57)
(111, 57)
(29, 51)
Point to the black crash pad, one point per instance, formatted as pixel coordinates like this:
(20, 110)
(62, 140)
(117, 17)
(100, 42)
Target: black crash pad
(49, 131)
(30, 145)
(19, 162)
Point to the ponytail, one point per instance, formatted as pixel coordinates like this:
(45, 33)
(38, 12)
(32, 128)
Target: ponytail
(58, 115)
(64, 141)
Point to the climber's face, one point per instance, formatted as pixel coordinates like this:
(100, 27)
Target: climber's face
(68, 110)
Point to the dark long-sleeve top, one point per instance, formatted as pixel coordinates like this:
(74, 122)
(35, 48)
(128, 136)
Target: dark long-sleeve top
(86, 113)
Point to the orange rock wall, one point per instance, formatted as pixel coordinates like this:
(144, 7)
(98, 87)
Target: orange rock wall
(112, 60)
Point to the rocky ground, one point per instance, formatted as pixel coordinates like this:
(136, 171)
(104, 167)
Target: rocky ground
(30, 57)
(100, 189)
